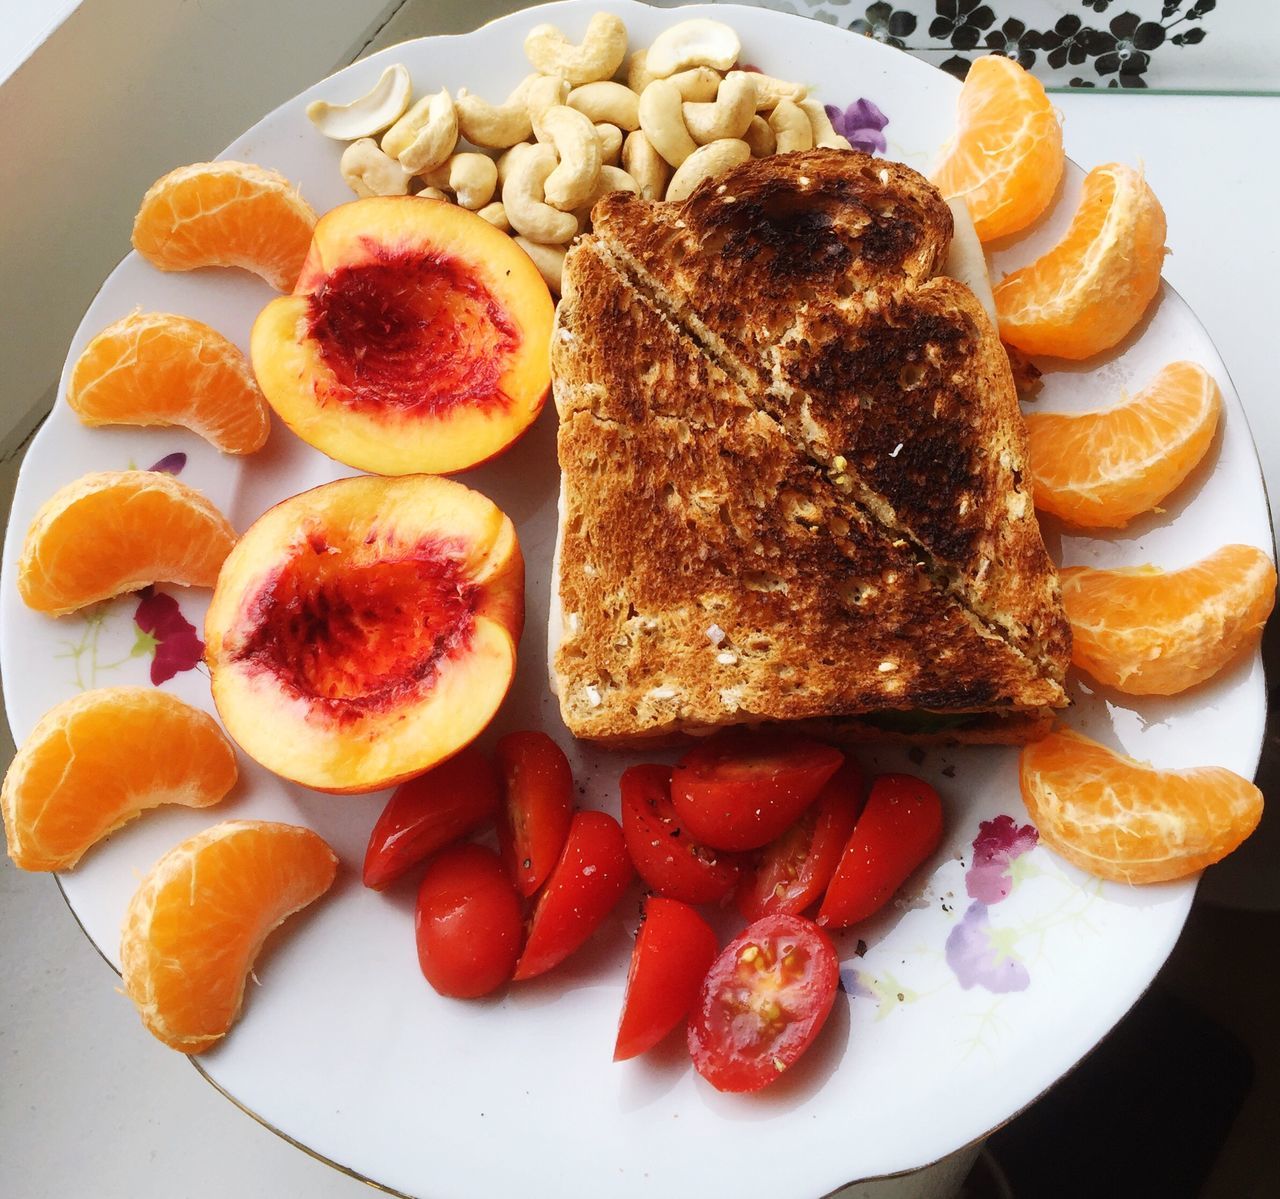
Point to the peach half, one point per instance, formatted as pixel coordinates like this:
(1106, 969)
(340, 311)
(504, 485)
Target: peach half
(363, 631)
(416, 340)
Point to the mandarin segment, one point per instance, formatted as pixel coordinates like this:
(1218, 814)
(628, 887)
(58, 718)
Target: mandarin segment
(225, 214)
(200, 916)
(1146, 631)
(1087, 293)
(117, 531)
(156, 368)
(417, 340)
(100, 759)
(1125, 820)
(365, 630)
(1006, 158)
(1100, 469)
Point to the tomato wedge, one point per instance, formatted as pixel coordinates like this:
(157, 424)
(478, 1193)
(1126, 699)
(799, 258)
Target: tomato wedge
(673, 951)
(665, 856)
(538, 785)
(743, 788)
(427, 813)
(897, 831)
(468, 921)
(763, 1002)
(793, 871)
(590, 877)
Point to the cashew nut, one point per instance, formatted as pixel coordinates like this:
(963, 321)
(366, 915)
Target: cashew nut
(366, 115)
(426, 135)
(523, 196)
(576, 143)
(370, 172)
(496, 126)
(823, 132)
(662, 119)
(600, 54)
(697, 84)
(728, 115)
(760, 137)
(610, 139)
(696, 43)
(791, 126)
(432, 193)
(612, 179)
(606, 101)
(637, 74)
(472, 178)
(548, 259)
(506, 162)
(645, 165)
(544, 92)
(770, 90)
(496, 215)
(705, 162)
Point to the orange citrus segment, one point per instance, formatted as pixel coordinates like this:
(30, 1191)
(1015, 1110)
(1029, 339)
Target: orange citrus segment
(1121, 819)
(1006, 157)
(155, 368)
(97, 760)
(1100, 469)
(1146, 631)
(117, 531)
(1091, 289)
(225, 214)
(201, 915)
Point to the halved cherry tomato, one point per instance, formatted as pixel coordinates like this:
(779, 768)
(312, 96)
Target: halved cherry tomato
(794, 870)
(538, 809)
(673, 951)
(743, 788)
(665, 856)
(427, 813)
(763, 1002)
(469, 922)
(897, 831)
(590, 877)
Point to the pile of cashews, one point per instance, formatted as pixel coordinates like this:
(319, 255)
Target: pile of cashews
(589, 120)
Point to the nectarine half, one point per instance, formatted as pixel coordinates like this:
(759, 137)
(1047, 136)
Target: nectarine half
(365, 630)
(417, 339)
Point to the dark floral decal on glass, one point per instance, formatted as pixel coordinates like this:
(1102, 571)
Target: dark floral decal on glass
(166, 634)
(1117, 45)
(862, 123)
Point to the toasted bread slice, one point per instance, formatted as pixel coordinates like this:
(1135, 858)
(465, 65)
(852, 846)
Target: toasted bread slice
(807, 277)
(710, 573)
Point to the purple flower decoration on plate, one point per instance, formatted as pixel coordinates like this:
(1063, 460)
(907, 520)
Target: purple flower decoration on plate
(998, 844)
(167, 635)
(862, 123)
(982, 956)
(171, 464)
(855, 985)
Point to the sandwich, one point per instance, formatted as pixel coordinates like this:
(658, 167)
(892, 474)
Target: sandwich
(793, 468)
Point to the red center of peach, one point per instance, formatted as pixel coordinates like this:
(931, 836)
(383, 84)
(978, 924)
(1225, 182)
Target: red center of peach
(359, 636)
(411, 331)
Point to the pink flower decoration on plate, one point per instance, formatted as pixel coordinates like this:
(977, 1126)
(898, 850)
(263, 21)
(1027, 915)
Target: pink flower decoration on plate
(997, 844)
(168, 634)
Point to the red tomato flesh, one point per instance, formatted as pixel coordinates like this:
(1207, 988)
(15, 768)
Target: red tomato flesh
(665, 856)
(898, 830)
(763, 1002)
(673, 951)
(427, 813)
(538, 787)
(793, 871)
(743, 788)
(469, 922)
(588, 880)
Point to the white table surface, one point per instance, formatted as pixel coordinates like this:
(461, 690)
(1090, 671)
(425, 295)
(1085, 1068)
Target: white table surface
(92, 1106)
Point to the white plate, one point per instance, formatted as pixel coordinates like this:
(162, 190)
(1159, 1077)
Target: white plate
(346, 1050)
